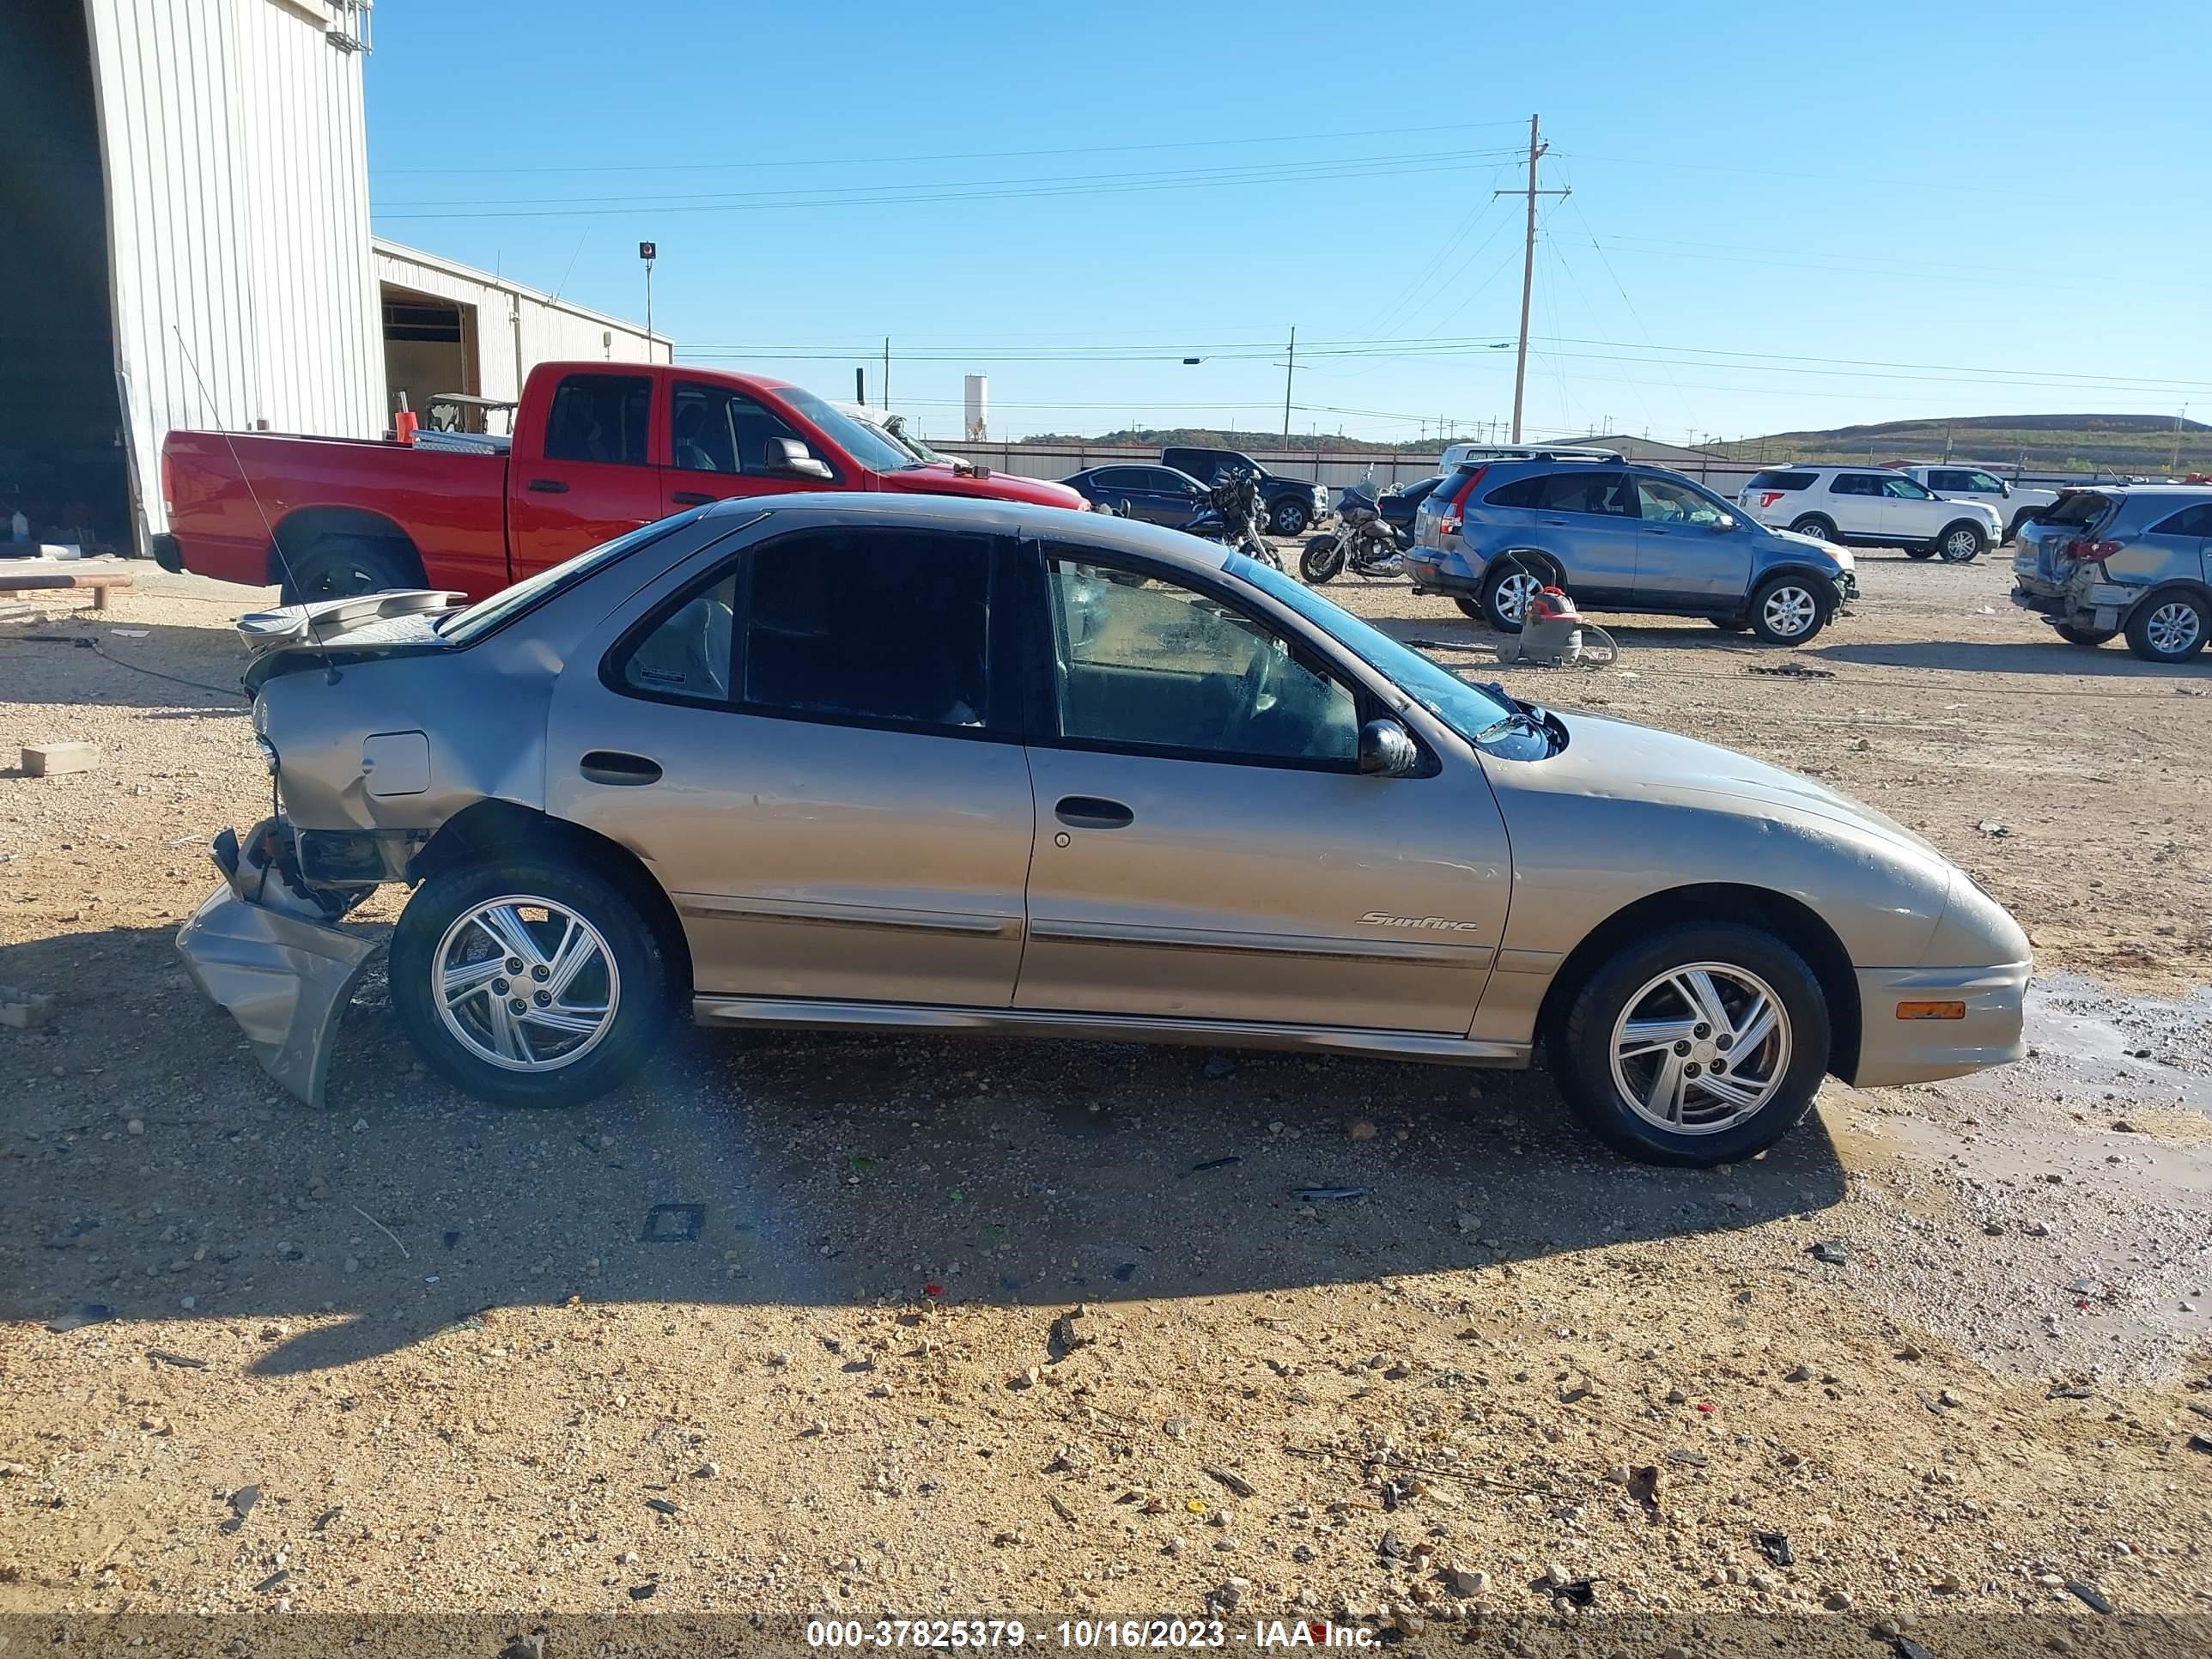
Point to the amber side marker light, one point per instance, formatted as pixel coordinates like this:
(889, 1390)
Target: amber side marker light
(1931, 1010)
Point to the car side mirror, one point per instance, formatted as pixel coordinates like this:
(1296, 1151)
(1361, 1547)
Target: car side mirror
(792, 456)
(1386, 749)
(1724, 522)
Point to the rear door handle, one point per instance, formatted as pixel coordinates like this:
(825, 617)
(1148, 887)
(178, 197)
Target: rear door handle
(549, 486)
(691, 497)
(613, 766)
(1555, 521)
(1093, 812)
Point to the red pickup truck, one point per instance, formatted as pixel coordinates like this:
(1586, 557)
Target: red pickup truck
(599, 448)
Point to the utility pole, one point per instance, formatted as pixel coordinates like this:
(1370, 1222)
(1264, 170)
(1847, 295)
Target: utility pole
(1536, 148)
(1946, 440)
(2174, 466)
(1289, 367)
(647, 252)
(884, 390)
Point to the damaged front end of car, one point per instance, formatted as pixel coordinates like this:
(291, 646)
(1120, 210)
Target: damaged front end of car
(265, 947)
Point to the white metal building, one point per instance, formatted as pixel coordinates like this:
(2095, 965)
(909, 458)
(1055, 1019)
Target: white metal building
(185, 242)
(449, 328)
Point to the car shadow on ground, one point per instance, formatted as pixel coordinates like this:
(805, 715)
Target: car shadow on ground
(788, 1168)
(111, 662)
(2054, 656)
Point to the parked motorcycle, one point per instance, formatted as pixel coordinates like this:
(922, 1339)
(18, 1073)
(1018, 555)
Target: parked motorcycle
(1231, 517)
(1363, 538)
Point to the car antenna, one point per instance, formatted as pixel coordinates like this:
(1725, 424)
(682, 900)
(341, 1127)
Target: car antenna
(307, 607)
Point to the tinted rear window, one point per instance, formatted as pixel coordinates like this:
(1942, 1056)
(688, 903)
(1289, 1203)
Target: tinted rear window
(1780, 481)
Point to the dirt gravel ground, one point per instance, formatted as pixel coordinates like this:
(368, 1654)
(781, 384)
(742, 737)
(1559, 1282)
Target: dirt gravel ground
(1047, 1328)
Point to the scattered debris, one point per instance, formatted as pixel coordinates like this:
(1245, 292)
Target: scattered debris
(273, 1580)
(1324, 1194)
(1791, 671)
(2089, 1595)
(1995, 829)
(1079, 1328)
(1214, 1163)
(386, 1230)
(1235, 1483)
(182, 1361)
(23, 1011)
(1217, 1066)
(671, 1224)
(85, 1312)
(1775, 1546)
(1830, 1251)
(1359, 1128)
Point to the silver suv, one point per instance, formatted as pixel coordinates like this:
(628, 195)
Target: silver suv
(2133, 559)
(1617, 537)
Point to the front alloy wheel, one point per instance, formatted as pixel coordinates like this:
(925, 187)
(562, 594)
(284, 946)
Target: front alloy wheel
(1697, 1044)
(1962, 544)
(1290, 517)
(1787, 612)
(1701, 1048)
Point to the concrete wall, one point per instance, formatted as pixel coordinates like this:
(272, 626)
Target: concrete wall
(236, 164)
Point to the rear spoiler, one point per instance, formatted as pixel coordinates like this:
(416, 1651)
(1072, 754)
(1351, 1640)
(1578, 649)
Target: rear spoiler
(327, 619)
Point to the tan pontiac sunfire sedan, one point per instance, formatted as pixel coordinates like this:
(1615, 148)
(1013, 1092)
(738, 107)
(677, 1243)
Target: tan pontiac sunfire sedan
(906, 762)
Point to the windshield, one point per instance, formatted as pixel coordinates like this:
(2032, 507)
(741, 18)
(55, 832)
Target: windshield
(467, 627)
(864, 443)
(1467, 709)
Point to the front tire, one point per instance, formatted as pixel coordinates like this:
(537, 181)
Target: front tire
(1700, 1045)
(2092, 637)
(528, 980)
(1323, 559)
(1290, 517)
(2169, 627)
(1962, 543)
(1788, 610)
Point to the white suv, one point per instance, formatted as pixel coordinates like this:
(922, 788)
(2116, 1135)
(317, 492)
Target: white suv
(2015, 503)
(1870, 506)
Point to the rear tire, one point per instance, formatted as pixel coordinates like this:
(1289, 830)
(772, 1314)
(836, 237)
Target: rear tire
(1788, 610)
(2019, 518)
(2088, 636)
(2169, 627)
(1323, 559)
(1470, 608)
(339, 567)
(1920, 552)
(1506, 590)
(1814, 525)
(592, 1031)
(1729, 624)
(1962, 543)
(1676, 1115)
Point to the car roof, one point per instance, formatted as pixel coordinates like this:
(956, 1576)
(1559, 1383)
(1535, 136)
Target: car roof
(978, 515)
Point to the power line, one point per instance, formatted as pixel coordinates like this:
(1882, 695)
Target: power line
(946, 155)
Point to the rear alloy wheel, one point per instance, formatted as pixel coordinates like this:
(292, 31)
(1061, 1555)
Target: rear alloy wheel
(528, 981)
(1962, 543)
(1290, 517)
(1788, 611)
(2169, 627)
(1815, 527)
(1699, 1046)
(2089, 636)
(1506, 593)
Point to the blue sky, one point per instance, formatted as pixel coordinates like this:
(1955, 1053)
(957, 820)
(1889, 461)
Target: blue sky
(1779, 218)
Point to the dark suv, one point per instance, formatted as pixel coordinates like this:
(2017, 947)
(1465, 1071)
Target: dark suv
(1617, 537)
(1287, 505)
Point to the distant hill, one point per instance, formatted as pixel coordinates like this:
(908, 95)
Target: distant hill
(1201, 437)
(2119, 443)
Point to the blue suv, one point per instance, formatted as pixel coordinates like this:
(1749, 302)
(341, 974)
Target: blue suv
(1617, 537)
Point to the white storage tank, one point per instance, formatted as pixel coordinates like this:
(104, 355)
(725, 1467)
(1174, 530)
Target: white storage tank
(976, 400)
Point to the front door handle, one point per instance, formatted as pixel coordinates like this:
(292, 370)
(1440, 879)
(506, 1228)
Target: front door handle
(549, 486)
(613, 766)
(1093, 812)
(690, 498)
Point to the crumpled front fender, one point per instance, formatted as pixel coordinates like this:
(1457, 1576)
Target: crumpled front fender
(285, 979)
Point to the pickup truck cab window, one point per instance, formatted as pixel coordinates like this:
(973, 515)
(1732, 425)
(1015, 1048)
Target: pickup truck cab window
(600, 417)
(719, 429)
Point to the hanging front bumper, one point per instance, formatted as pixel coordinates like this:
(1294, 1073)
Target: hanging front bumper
(284, 977)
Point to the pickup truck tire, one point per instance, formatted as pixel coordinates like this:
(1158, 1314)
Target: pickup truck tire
(1814, 525)
(1751, 1018)
(1962, 542)
(2088, 636)
(2170, 626)
(2019, 519)
(1290, 517)
(1789, 608)
(528, 980)
(338, 567)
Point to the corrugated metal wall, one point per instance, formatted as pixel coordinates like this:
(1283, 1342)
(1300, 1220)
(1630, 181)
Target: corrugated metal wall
(237, 164)
(517, 328)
